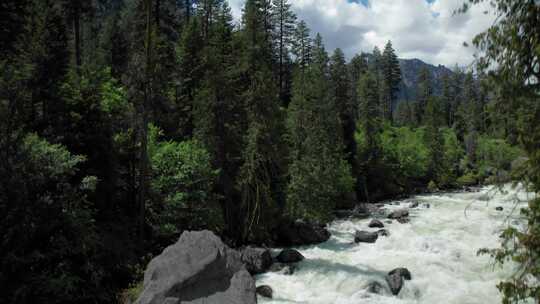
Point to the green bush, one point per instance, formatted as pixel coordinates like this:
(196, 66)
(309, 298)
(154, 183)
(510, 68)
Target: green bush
(495, 153)
(182, 183)
(407, 147)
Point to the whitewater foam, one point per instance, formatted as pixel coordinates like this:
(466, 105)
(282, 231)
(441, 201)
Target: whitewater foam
(439, 246)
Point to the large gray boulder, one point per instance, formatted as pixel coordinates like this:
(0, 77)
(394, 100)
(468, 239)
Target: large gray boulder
(199, 268)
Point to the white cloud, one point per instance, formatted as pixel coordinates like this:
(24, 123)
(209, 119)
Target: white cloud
(418, 29)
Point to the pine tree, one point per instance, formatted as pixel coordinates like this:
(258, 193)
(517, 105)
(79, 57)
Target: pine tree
(302, 44)
(447, 99)
(345, 105)
(368, 95)
(424, 92)
(319, 175)
(189, 74)
(433, 138)
(284, 21)
(219, 118)
(261, 175)
(356, 68)
(391, 78)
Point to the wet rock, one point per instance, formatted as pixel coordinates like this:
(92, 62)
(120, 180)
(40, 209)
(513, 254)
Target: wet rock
(300, 233)
(499, 208)
(265, 291)
(414, 205)
(375, 287)
(395, 282)
(365, 237)
(398, 214)
(375, 224)
(282, 268)
(403, 272)
(198, 267)
(388, 221)
(257, 260)
(289, 256)
(403, 220)
(383, 232)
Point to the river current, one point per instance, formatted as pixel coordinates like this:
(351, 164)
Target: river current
(439, 246)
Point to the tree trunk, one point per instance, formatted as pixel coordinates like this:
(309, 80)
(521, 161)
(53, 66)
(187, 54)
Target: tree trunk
(77, 31)
(144, 161)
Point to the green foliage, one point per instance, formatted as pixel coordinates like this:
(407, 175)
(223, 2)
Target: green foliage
(496, 153)
(50, 253)
(182, 181)
(408, 147)
(319, 174)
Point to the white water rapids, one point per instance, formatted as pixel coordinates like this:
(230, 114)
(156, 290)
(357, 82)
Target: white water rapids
(438, 246)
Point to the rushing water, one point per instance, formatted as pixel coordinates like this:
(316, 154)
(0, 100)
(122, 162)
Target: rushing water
(438, 246)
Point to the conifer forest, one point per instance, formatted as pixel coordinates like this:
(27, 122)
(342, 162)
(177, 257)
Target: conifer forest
(127, 125)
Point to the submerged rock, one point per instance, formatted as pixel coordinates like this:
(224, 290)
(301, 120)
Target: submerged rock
(383, 232)
(300, 233)
(414, 205)
(257, 260)
(403, 272)
(198, 268)
(375, 224)
(365, 237)
(398, 214)
(403, 220)
(265, 291)
(289, 256)
(375, 287)
(283, 268)
(395, 282)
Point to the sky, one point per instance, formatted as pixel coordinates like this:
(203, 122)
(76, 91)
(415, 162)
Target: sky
(424, 29)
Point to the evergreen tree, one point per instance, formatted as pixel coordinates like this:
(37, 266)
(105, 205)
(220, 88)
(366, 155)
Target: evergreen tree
(370, 124)
(356, 68)
(219, 117)
(424, 92)
(447, 99)
(261, 175)
(284, 21)
(434, 139)
(345, 106)
(301, 47)
(319, 175)
(391, 78)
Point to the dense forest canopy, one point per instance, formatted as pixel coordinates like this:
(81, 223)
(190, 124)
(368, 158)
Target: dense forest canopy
(125, 122)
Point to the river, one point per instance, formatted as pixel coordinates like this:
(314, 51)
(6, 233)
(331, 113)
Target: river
(438, 246)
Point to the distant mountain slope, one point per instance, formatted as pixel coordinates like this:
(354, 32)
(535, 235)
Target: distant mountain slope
(410, 70)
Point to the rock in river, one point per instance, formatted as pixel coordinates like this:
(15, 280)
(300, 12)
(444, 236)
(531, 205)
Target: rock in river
(283, 268)
(289, 256)
(395, 282)
(398, 214)
(265, 291)
(365, 237)
(375, 224)
(403, 272)
(395, 279)
(198, 268)
(257, 260)
(300, 233)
